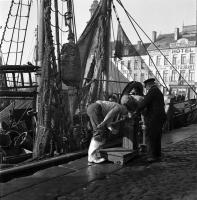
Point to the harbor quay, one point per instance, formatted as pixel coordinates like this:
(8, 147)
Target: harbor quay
(174, 178)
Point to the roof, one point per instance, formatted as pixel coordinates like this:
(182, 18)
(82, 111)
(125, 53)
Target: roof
(189, 29)
(163, 40)
(116, 75)
(134, 50)
(142, 49)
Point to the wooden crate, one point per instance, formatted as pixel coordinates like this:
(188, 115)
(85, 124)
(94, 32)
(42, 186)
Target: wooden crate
(118, 155)
(129, 149)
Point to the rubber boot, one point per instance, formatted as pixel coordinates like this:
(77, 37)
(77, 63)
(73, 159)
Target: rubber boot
(94, 146)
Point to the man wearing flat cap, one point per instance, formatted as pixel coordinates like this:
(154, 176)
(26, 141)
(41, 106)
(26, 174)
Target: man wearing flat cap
(155, 117)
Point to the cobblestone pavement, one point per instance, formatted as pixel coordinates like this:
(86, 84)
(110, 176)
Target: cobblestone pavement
(174, 178)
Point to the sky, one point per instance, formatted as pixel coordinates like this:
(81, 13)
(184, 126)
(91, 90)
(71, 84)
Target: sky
(162, 16)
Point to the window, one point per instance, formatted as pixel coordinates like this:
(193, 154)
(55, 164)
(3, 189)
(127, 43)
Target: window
(158, 63)
(165, 75)
(135, 77)
(19, 79)
(183, 59)
(142, 64)
(124, 71)
(182, 72)
(191, 75)
(157, 75)
(166, 58)
(150, 74)
(181, 77)
(10, 79)
(192, 58)
(122, 65)
(129, 65)
(135, 64)
(126, 51)
(173, 78)
(174, 60)
(129, 76)
(142, 77)
(151, 61)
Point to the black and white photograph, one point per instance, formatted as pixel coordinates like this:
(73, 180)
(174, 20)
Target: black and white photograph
(98, 99)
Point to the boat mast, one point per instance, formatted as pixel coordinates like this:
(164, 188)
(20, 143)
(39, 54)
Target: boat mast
(106, 12)
(40, 43)
(40, 31)
(57, 35)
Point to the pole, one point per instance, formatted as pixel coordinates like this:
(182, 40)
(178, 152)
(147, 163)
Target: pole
(40, 45)
(40, 32)
(57, 34)
(107, 13)
(195, 83)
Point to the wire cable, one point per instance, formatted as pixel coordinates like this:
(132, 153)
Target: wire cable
(119, 1)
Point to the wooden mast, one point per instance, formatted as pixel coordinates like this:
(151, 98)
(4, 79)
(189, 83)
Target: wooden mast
(107, 12)
(57, 34)
(40, 32)
(48, 102)
(40, 44)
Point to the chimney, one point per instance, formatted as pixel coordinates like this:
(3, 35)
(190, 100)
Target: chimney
(176, 34)
(154, 36)
(139, 44)
(93, 7)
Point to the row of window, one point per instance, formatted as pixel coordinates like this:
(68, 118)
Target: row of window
(140, 64)
(174, 76)
(174, 59)
(137, 64)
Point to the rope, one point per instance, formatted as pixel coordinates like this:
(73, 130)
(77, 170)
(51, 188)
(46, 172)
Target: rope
(12, 52)
(57, 11)
(6, 24)
(16, 15)
(143, 44)
(22, 115)
(23, 4)
(15, 28)
(12, 33)
(59, 28)
(30, 2)
(13, 41)
(119, 1)
(118, 75)
(74, 23)
(19, 25)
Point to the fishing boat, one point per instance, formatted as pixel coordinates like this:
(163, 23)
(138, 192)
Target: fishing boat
(52, 97)
(48, 99)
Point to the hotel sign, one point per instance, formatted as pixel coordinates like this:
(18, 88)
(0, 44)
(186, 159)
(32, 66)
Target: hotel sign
(183, 42)
(182, 50)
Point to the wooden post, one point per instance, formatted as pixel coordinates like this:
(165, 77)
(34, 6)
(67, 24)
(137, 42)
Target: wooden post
(40, 32)
(57, 34)
(40, 45)
(107, 13)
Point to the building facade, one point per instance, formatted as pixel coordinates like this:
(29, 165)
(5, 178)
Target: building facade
(172, 62)
(133, 64)
(177, 62)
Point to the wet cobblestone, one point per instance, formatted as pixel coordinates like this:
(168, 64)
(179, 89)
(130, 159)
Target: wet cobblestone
(175, 178)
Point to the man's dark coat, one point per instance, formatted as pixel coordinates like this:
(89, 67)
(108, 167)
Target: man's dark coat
(154, 114)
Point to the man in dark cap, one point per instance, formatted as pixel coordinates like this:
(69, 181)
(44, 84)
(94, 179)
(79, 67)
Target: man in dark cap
(155, 116)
